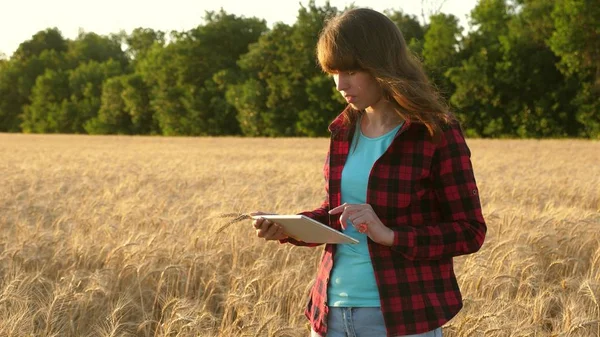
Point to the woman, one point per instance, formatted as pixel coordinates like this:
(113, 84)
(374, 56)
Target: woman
(399, 179)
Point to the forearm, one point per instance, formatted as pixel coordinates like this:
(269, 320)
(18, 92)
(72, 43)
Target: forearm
(439, 241)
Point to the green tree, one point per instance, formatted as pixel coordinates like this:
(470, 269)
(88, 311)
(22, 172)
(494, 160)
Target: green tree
(18, 75)
(217, 45)
(159, 70)
(93, 47)
(318, 102)
(48, 112)
(85, 84)
(113, 116)
(528, 68)
(576, 40)
(63, 101)
(284, 93)
(49, 39)
(322, 108)
(252, 98)
(141, 40)
(248, 98)
(476, 97)
(136, 96)
(10, 101)
(124, 108)
(440, 50)
(185, 97)
(411, 28)
(534, 93)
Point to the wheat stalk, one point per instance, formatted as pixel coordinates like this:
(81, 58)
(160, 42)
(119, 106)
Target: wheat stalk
(237, 217)
(69, 228)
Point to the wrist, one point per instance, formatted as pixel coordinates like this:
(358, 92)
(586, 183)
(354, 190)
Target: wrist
(388, 239)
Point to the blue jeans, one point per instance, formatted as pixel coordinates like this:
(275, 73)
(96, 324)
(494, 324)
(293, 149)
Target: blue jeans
(361, 322)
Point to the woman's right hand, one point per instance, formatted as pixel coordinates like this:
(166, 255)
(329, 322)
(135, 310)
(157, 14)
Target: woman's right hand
(267, 229)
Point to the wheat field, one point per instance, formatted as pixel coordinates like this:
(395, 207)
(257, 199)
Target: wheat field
(121, 236)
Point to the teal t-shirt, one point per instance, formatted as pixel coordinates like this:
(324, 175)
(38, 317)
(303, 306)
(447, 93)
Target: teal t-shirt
(352, 281)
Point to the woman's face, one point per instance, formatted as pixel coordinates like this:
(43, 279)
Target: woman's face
(359, 88)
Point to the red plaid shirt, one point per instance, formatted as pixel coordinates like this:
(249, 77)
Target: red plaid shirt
(427, 194)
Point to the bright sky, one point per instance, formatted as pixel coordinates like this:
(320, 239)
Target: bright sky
(19, 20)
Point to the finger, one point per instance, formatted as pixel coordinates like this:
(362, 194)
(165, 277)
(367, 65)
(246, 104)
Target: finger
(344, 219)
(281, 233)
(266, 224)
(346, 214)
(358, 214)
(257, 223)
(338, 209)
(361, 224)
(360, 220)
(277, 232)
(270, 234)
(264, 228)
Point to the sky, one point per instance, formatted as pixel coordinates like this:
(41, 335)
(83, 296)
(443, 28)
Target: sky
(19, 20)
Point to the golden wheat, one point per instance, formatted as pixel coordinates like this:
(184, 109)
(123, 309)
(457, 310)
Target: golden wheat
(121, 236)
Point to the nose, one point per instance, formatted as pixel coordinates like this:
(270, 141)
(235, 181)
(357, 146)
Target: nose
(341, 81)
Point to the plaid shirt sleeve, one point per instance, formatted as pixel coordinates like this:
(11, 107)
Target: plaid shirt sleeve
(462, 228)
(320, 214)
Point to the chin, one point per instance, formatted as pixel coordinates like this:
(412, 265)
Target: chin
(357, 106)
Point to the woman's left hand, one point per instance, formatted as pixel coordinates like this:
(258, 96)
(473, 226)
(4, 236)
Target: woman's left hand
(364, 219)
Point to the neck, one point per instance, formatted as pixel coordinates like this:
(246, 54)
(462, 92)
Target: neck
(381, 114)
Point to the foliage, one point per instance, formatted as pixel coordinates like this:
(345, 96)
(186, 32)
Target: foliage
(526, 68)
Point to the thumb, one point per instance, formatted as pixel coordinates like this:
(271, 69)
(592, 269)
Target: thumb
(260, 213)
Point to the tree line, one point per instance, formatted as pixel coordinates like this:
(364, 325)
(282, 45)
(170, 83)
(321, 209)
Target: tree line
(526, 68)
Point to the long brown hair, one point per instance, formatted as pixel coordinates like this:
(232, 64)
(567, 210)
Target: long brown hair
(364, 39)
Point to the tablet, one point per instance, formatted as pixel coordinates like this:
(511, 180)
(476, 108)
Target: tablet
(303, 228)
